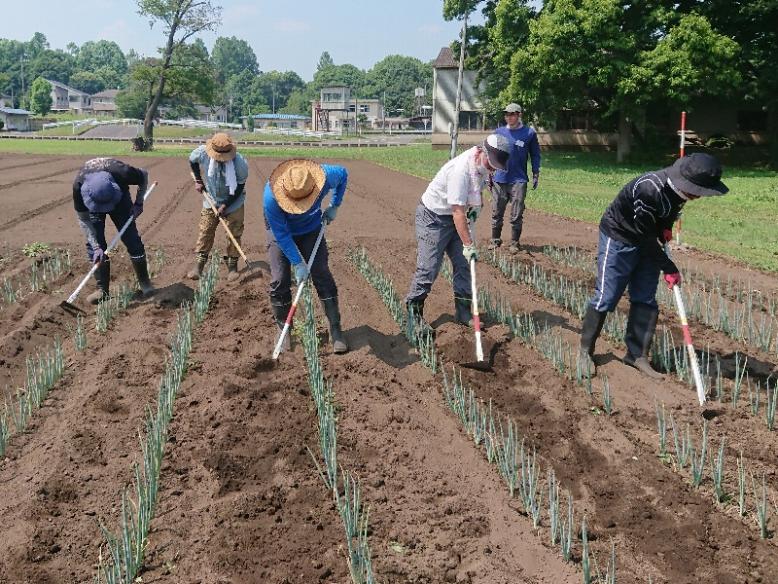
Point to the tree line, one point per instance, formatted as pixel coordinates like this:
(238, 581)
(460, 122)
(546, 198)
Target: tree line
(628, 63)
(229, 75)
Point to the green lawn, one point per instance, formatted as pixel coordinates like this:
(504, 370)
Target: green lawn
(742, 225)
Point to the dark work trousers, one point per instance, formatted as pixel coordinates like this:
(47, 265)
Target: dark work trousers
(131, 238)
(621, 265)
(436, 235)
(281, 269)
(502, 193)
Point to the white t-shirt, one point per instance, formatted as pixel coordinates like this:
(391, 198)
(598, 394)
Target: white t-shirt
(459, 182)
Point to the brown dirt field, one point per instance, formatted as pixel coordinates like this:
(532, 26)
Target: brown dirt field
(240, 499)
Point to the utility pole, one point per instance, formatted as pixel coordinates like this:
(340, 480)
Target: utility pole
(383, 108)
(21, 63)
(455, 131)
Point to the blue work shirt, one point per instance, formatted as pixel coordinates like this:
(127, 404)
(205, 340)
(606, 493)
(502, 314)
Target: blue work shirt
(285, 225)
(217, 185)
(525, 143)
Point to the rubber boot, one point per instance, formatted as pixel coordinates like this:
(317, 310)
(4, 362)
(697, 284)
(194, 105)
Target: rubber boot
(416, 320)
(142, 273)
(496, 239)
(103, 279)
(232, 269)
(641, 325)
(339, 345)
(280, 312)
(197, 270)
(515, 237)
(593, 322)
(462, 310)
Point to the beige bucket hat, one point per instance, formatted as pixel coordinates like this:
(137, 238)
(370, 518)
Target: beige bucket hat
(296, 184)
(220, 147)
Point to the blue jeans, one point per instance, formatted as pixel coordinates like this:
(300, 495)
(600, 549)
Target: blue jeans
(437, 235)
(621, 265)
(131, 238)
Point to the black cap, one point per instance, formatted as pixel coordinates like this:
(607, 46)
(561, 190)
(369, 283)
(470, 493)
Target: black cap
(698, 174)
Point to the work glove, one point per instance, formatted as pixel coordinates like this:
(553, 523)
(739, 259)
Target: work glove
(673, 279)
(137, 209)
(470, 253)
(98, 255)
(328, 215)
(667, 235)
(301, 272)
(535, 178)
(473, 213)
(199, 186)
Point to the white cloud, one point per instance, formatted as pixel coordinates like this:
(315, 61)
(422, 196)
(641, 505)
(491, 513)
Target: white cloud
(289, 25)
(240, 15)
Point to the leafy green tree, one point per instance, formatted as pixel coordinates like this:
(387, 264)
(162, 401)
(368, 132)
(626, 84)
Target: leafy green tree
(93, 55)
(180, 19)
(231, 56)
(88, 82)
(325, 60)
(456, 9)
(132, 102)
(56, 65)
(244, 96)
(298, 103)
(347, 75)
(397, 77)
(277, 86)
(40, 96)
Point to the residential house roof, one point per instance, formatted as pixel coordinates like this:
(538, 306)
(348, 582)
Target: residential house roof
(280, 117)
(445, 59)
(14, 111)
(108, 93)
(67, 87)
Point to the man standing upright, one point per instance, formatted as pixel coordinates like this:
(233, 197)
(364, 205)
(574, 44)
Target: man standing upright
(224, 180)
(511, 184)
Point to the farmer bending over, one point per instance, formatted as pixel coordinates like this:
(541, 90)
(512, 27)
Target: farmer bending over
(293, 219)
(102, 188)
(453, 197)
(225, 173)
(630, 253)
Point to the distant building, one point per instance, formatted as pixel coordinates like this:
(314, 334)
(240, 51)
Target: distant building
(444, 92)
(68, 99)
(284, 121)
(207, 113)
(104, 103)
(336, 110)
(15, 119)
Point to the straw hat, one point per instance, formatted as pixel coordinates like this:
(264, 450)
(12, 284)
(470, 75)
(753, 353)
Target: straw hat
(296, 184)
(220, 147)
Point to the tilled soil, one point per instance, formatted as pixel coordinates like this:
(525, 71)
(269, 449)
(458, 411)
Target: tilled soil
(240, 498)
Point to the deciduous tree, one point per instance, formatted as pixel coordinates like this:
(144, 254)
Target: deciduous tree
(40, 96)
(231, 56)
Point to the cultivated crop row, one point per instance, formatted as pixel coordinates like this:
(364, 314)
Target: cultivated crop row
(126, 547)
(497, 436)
(347, 493)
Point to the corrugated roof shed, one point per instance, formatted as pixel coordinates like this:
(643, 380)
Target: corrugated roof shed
(15, 112)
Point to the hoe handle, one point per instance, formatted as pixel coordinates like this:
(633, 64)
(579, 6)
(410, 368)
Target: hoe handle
(479, 349)
(111, 246)
(212, 203)
(297, 295)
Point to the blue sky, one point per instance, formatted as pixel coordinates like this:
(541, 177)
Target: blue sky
(287, 35)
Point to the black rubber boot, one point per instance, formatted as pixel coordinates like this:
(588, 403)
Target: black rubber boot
(232, 268)
(641, 325)
(280, 312)
(462, 310)
(593, 322)
(103, 279)
(416, 320)
(142, 273)
(496, 239)
(339, 345)
(197, 270)
(515, 237)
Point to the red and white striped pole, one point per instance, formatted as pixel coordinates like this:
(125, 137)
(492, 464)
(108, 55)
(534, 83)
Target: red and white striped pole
(687, 340)
(681, 155)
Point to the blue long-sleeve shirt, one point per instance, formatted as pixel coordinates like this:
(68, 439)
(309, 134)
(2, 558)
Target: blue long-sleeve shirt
(525, 144)
(285, 225)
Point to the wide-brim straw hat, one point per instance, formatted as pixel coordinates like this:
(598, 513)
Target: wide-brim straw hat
(220, 147)
(296, 184)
